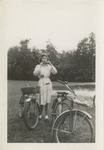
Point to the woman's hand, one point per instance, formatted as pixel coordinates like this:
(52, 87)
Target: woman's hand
(48, 62)
(41, 65)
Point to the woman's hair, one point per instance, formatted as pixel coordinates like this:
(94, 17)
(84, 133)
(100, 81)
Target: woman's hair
(40, 59)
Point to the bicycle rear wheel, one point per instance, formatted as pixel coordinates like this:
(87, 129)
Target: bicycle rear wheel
(21, 107)
(60, 107)
(73, 127)
(31, 115)
(20, 111)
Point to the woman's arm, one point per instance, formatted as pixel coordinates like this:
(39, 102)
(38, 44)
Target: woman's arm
(37, 70)
(54, 70)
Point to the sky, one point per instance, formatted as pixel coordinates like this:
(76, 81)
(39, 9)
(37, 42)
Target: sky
(64, 23)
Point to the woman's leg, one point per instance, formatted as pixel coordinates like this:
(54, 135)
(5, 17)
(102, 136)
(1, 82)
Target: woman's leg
(41, 101)
(41, 109)
(46, 109)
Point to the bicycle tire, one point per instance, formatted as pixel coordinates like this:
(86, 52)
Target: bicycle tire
(64, 130)
(20, 111)
(31, 115)
(21, 107)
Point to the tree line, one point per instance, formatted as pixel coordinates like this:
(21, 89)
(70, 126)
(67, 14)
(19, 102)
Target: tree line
(74, 65)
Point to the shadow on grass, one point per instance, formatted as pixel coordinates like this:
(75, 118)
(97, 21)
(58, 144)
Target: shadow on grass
(19, 133)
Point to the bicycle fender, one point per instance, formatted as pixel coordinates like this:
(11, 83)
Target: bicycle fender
(87, 114)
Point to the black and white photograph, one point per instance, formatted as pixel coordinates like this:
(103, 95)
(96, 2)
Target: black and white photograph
(52, 60)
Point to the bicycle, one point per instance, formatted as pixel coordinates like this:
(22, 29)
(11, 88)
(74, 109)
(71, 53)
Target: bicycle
(29, 106)
(72, 125)
(61, 102)
(66, 119)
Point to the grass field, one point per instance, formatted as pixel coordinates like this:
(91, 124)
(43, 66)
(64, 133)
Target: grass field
(18, 132)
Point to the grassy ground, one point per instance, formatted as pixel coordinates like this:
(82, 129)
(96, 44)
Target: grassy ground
(18, 132)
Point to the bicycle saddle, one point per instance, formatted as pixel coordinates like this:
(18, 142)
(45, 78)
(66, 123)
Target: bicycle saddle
(62, 93)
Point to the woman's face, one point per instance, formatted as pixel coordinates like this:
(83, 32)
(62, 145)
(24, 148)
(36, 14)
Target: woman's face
(44, 59)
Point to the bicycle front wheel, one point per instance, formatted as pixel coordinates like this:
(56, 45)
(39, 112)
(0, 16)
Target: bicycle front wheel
(73, 127)
(31, 115)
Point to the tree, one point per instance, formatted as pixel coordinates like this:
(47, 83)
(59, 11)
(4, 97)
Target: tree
(24, 44)
(84, 60)
(52, 53)
(25, 60)
(19, 61)
(92, 48)
(73, 65)
(13, 55)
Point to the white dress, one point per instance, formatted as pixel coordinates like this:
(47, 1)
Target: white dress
(45, 82)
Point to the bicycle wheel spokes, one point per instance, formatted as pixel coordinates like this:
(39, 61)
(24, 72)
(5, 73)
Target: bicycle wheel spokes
(31, 111)
(74, 128)
(78, 122)
(31, 115)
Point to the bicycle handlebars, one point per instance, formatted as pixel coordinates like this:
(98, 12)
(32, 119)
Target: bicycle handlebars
(61, 82)
(65, 83)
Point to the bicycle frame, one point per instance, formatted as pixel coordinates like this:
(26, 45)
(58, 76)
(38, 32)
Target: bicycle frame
(65, 84)
(72, 92)
(72, 100)
(75, 99)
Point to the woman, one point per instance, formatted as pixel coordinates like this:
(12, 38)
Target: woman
(43, 71)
